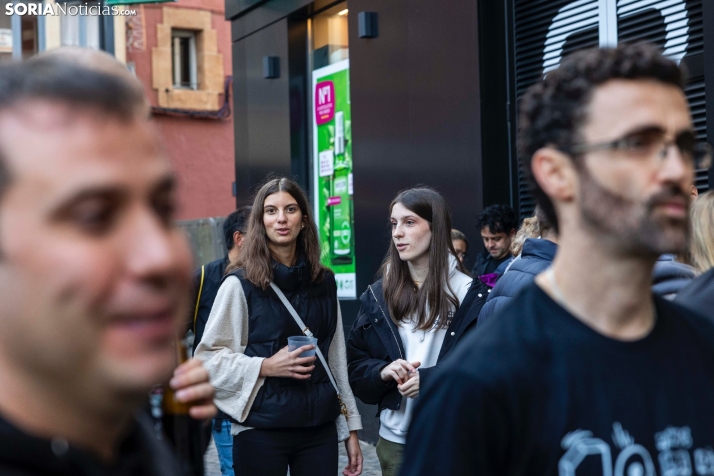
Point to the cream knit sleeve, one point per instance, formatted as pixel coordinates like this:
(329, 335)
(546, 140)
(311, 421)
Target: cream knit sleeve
(338, 364)
(234, 375)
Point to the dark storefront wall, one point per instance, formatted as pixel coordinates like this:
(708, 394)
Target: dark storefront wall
(415, 109)
(517, 31)
(415, 113)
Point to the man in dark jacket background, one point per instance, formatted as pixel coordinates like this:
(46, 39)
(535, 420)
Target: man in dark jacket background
(207, 278)
(535, 257)
(206, 281)
(497, 225)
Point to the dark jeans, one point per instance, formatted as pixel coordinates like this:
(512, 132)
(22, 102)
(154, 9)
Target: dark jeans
(306, 451)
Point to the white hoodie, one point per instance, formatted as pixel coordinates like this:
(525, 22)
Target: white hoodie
(419, 346)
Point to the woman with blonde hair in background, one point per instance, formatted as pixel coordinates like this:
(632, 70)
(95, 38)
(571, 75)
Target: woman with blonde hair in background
(699, 294)
(702, 245)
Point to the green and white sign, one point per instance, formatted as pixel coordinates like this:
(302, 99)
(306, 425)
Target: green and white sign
(332, 165)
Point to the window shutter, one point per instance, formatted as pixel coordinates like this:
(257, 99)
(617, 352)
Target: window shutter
(548, 30)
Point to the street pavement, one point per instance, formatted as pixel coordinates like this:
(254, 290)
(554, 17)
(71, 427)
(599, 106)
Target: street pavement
(370, 467)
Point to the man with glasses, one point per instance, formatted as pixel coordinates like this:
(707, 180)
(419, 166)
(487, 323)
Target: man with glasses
(585, 371)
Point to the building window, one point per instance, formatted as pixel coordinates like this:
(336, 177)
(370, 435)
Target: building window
(79, 30)
(183, 51)
(186, 68)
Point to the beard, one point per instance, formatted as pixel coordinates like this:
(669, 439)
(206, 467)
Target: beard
(633, 227)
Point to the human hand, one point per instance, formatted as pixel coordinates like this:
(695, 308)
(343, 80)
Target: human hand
(354, 456)
(288, 364)
(400, 371)
(192, 386)
(410, 388)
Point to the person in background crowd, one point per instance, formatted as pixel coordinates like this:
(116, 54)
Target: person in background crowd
(206, 281)
(529, 229)
(94, 274)
(461, 244)
(535, 256)
(670, 276)
(397, 340)
(497, 225)
(284, 406)
(702, 244)
(695, 192)
(586, 371)
(207, 278)
(698, 295)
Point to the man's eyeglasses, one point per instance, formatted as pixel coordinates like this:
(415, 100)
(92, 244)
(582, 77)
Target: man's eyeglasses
(651, 144)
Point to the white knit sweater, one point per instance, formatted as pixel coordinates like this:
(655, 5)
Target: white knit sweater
(236, 376)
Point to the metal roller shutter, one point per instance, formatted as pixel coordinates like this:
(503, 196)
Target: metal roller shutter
(547, 30)
(677, 28)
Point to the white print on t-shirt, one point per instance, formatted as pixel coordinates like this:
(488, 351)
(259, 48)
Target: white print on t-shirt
(673, 445)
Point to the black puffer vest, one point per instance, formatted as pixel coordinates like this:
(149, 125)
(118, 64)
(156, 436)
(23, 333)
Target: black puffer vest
(286, 402)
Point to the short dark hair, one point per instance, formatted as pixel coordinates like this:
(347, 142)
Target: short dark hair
(60, 80)
(553, 111)
(236, 221)
(498, 219)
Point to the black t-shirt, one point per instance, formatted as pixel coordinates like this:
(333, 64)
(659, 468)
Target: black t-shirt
(538, 392)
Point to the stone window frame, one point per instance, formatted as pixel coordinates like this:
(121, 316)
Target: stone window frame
(209, 61)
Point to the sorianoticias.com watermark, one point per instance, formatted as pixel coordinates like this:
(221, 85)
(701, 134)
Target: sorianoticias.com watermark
(56, 9)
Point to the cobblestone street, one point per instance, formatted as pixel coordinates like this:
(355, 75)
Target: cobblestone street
(370, 467)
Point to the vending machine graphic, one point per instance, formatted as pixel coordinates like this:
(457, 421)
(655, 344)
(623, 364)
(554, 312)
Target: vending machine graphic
(333, 178)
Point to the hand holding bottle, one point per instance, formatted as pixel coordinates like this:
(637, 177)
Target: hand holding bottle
(191, 385)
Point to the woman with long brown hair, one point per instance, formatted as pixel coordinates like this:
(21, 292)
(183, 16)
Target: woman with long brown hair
(285, 409)
(407, 321)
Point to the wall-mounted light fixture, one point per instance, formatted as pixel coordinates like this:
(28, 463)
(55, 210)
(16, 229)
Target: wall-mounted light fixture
(367, 23)
(271, 67)
(343, 12)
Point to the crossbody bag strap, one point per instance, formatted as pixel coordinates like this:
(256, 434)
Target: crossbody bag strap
(305, 331)
(198, 299)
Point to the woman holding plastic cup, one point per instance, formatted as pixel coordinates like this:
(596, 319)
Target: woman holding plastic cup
(288, 410)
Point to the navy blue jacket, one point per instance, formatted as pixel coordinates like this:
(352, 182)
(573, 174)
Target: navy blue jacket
(698, 295)
(212, 278)
(669, 276)
(536, 256)
(374, 343)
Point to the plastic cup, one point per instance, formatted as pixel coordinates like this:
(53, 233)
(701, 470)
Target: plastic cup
(296, 342)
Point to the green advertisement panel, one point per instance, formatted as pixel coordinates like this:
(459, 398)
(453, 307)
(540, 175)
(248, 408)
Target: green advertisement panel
(332, 165)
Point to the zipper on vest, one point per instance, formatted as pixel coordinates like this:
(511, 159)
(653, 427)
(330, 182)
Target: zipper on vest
(385, 318)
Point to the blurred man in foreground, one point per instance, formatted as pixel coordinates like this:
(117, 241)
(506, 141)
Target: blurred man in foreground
(586, 372)
(94, 276)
